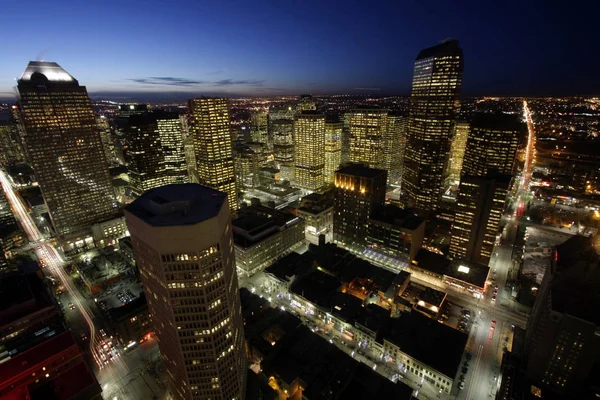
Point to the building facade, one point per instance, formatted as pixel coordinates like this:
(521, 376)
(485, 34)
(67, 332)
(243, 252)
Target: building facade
(368, 131)
(183, 244)
(492, 144)
(333, 148)
(394, 145)
(309, 150)
(317, 212)
(434, 103)
(395, 232)
(64, 145)
(480, 205)
(457, 154)
(262, 235)
(210, 128)
(358, 191)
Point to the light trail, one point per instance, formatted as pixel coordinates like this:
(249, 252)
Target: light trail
(530, 149)
(53, 260)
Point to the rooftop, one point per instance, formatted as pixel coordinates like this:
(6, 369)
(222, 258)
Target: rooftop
(177, 204)
(431, 261)
(498, 121)
(257, 222)
(436, 345)
(470, 272)
(396, 216)
(50, 70)
(361, 170)
(448, 47)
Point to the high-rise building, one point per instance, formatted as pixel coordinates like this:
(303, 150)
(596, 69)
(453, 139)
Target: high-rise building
(479, 207)
(183, 245)
(434, 103)
(457, 153)
(246, 166)
(333, 148)
(492, 144)
(127, 110)
(258, 128)
(11, 235)
(64, 145)
(11, 148)
(346, 139)
(281, 130)
(309, 146)
(106, 138)
(562, 345)
(368, 131)
(394, 144)
(155, 153)
(359, 190)
(210, 128)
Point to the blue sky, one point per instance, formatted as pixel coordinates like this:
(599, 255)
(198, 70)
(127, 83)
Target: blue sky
(291, 47)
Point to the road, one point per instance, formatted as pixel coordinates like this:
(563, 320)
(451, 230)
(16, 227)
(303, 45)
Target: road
(110, 366)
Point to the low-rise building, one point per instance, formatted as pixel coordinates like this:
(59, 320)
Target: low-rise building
(105, 269)
(262, 235)
(317, 211)
(395, 232)
(109, 232)
(131, 322)
(425, 348)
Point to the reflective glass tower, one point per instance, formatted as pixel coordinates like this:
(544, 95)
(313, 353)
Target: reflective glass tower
(64, 145)
(210, 128)
(434, 103)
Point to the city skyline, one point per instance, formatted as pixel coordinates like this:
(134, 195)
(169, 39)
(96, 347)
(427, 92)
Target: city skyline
(133, 53)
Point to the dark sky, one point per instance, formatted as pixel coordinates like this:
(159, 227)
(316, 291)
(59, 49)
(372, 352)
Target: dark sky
(276, 47)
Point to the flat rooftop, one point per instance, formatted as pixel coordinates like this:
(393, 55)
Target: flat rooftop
(397, 216)
(362, 170)
(177, 204)
(436, 345)
(470, 272)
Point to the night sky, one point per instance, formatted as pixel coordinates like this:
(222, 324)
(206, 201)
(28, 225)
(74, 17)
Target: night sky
(289, 47)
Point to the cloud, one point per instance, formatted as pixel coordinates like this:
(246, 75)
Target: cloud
(174, 81)
(249, 82)
(167, 80)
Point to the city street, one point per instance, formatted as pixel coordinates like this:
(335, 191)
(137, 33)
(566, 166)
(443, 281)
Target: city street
(110, 370)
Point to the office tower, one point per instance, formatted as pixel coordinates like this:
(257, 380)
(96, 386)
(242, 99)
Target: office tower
(434, 103)
(11, 147)
(368, 128)
(11, 235)
(258, 128)
(246, 163)
(155, 153)
(183, 245)
(210, 127)
(309, 146)
(479, 208)
(64, 145)
(281, 130)
(394, 144)
(492, 144)
(562, 345)
(346, 139)
(359, 190)
(457, 153)
(333, 148)
(306, 103)
(107, 141)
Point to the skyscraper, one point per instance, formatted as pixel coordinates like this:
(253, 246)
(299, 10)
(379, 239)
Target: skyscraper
(434, 103)
(11, 147)
(358, 191)
(333, 148)
(155, 152)
(258, 128)
(394, 145)
(183, 245)
(368, 129)
(281, 130)
(210, 127)
(64, 145)
(492, 144)
(457, 154)
(309, 146)
(479, 208)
